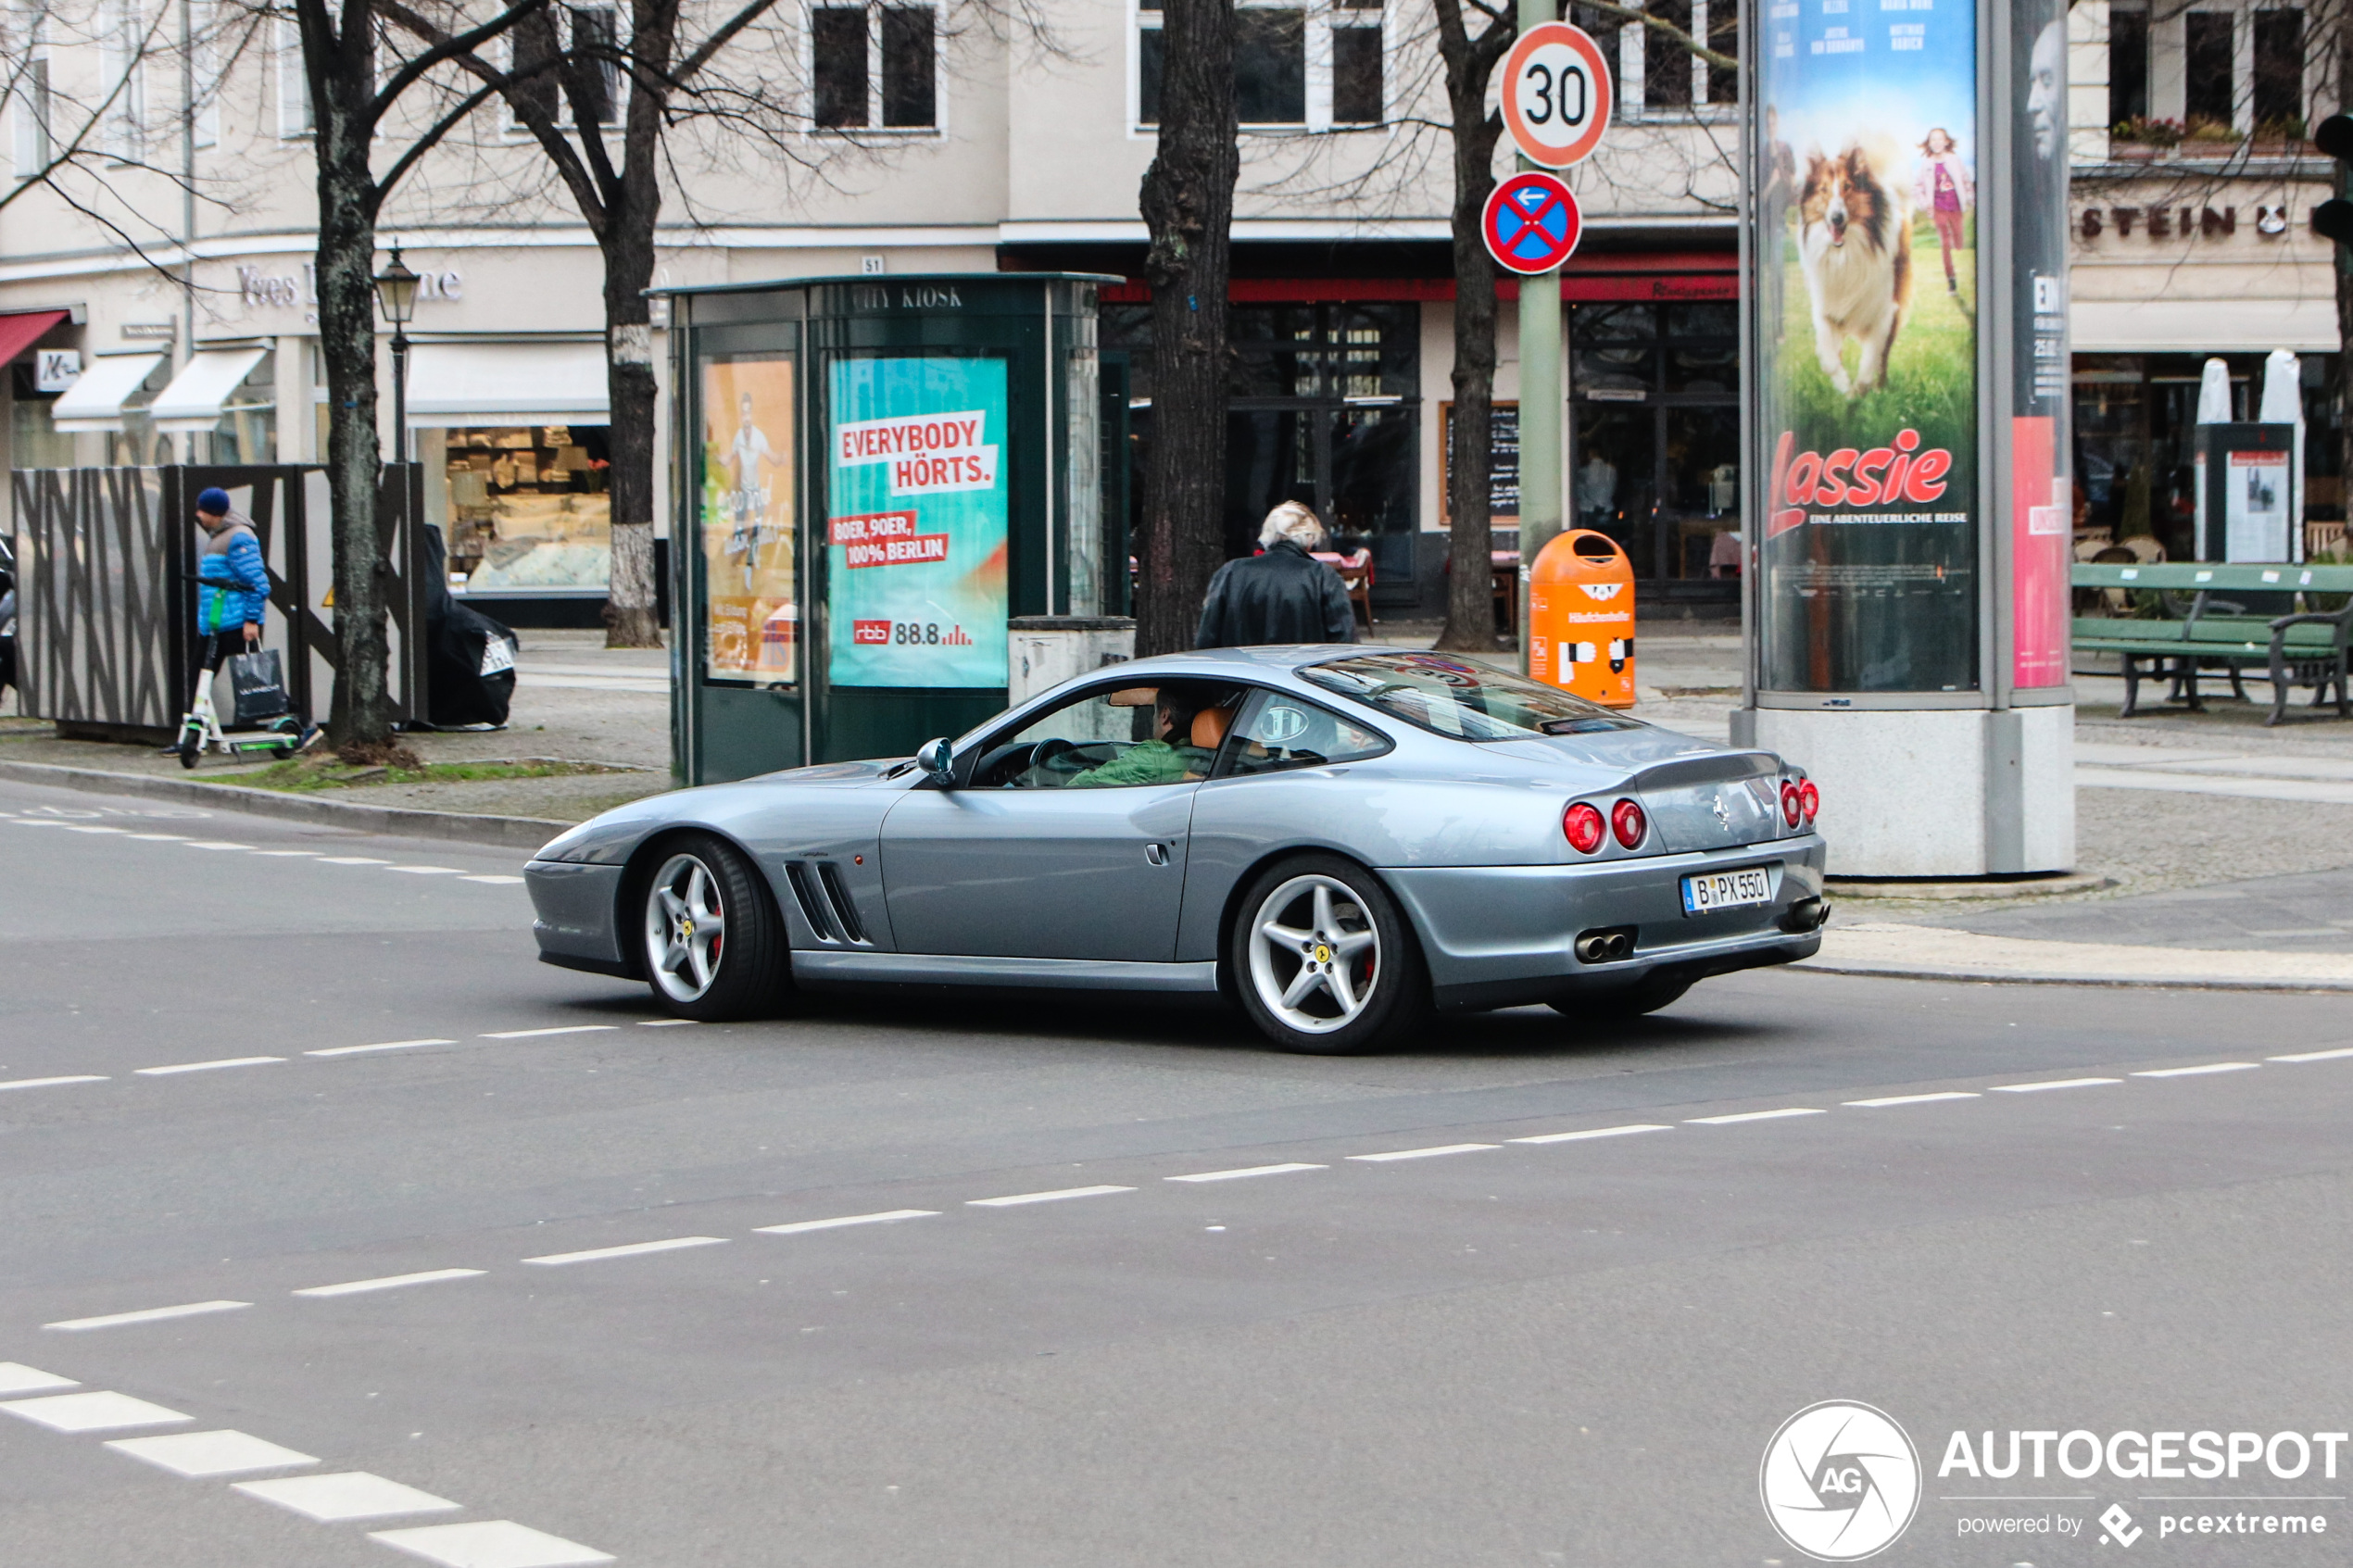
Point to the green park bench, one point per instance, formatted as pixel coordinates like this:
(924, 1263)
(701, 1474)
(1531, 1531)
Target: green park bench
(2203, 623)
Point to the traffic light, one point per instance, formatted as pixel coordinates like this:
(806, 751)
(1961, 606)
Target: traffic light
(2333, 218)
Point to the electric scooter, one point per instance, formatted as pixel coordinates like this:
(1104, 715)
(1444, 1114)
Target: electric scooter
(200, 731)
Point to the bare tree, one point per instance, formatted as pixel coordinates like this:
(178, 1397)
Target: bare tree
(1188, 201)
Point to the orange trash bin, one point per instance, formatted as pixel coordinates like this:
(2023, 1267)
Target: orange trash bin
(1581, 617)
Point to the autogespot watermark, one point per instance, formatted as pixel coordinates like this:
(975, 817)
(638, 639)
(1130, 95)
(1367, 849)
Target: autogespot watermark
(1841, 1481)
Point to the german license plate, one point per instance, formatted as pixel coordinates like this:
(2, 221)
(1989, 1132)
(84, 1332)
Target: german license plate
(1727, 890)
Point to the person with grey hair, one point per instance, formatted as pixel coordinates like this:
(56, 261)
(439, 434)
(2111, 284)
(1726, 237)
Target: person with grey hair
(1281, 595)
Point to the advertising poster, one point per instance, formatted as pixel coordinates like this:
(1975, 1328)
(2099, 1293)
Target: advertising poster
(2042, 494)
(748, 577)
(2255, 506)
(1867, 327)
(916, 519)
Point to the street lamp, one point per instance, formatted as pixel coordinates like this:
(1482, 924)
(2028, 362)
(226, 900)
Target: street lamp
(396, 296)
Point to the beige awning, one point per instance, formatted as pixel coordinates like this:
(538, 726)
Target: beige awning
(95, 402)
(514, 384)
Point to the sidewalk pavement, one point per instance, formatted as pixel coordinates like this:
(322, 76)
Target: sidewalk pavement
(2221, 852)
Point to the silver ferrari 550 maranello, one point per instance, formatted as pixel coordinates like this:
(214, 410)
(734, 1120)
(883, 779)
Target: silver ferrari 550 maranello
(1339, 839)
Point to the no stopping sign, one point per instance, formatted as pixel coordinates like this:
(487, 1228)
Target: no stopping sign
(1531, 223)
(1556, 94)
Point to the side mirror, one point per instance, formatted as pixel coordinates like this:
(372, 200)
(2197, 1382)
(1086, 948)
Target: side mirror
(938, 762)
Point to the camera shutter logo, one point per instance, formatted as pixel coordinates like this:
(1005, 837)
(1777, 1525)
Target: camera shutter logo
(1841, 1481)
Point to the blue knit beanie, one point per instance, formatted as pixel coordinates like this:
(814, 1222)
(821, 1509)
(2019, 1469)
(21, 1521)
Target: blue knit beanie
(213, 503)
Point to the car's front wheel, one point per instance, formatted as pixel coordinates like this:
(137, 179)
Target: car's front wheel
(1323, 959)
(714, 948)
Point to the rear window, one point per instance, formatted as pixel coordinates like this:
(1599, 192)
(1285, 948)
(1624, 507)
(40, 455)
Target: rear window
(1454, 696)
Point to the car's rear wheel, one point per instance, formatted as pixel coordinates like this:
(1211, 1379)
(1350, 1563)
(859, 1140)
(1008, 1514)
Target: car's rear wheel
(1324, 962)
(714, 948)
(1646, 995)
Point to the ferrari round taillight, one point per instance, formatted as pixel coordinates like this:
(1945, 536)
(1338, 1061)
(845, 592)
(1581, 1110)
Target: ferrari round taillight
(1792, 807)
(1627, 820)
(1809, 799)
(1582, 825)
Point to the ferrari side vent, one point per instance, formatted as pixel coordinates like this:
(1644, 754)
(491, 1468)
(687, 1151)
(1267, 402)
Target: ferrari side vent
(844, 907)
(812, 903)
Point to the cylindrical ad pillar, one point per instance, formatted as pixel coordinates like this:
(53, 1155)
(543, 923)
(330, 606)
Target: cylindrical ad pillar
(1908, 515)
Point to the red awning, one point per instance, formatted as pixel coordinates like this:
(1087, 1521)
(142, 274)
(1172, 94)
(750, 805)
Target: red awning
(18, 329)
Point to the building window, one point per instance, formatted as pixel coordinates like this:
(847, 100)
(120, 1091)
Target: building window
(1723, 31)
(538, 47)
(33, 147)
(121, 52)
(1314, 67)
(2279, 75)
(1657, 73)
(1666, 65)
(847, 45)
(2207, 86)
(293, 84)
(2127, 66)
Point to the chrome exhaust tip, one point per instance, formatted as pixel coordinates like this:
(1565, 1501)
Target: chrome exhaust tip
(1610, 946)
(1806, 914)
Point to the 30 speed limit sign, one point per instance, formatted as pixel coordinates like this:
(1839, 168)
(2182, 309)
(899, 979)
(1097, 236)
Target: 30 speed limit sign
(1556, 97)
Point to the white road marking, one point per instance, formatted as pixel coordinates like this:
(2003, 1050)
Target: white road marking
(658, 1022)
(598, 1254)
(888, 1217)
(17, 1378)
(285, 854)
(1756, 1116)
(1595, 1133)
(206, 1066)
(490, 1543)
(160, 837)
(199, 1455)
(389, 1282)
(2199, 1072)
(215, 844)
(46, 1083)
(2337, 1055)
(2052, 1084)
(1915, 1099)
(350, 860)
(91, 827)
(386, 1046)
(429, 870)
(503, 882)
(150, 1315)
(1246, 1170)
(1021, 1197)
(38, 822)
(96, 1411)
(354, 1494)
(563, 1029)
(1424, 1153)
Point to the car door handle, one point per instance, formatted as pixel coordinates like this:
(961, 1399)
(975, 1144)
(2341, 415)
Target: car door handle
(1156, 853)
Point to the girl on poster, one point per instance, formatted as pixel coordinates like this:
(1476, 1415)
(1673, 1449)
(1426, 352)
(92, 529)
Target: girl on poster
(1941, 186)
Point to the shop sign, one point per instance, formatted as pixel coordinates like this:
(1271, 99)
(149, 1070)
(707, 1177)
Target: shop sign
(916, 522)
(256, 287)
(2168, 222)
(54, 370)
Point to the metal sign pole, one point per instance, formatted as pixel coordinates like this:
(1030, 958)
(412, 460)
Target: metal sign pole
(1540, 393)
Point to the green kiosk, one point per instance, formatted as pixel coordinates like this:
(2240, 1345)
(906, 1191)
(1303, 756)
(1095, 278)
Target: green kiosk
(875, 476)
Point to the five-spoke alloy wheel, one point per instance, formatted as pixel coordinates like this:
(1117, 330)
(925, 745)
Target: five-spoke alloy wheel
(714, 946)
(1322, 958)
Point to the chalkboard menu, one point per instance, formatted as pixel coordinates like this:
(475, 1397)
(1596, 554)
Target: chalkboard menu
(1502, 462)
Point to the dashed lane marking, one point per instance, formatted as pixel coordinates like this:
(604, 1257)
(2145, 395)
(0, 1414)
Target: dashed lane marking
(2052, 1084)
(164, 1072)
(48, 1082)
(2199, 1072)
(429, 870)
(2337, 1055)
(385, 1045)
(1246, 1172)
(658, 1022)
(1740, 1116)
(1887, 1101)
(635, 1249)
(1018, 1199)
(560, 1029)
(285, 854)
(503, 882)
(888, 1217)
(490, 1543)
(149, 1314)
(1595, 1133)
(200, 1455)
(1431, 1153)
(354, 1494)
(93, 827)
(214, 844)
(36, 821)
(17, 1378)
(350, 860)
(160, 837)
(389, 1282)
(99, 1411)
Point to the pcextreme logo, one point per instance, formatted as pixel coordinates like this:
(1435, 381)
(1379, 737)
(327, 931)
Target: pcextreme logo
(1841, 1481)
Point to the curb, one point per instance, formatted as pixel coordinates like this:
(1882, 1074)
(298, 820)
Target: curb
(1991, 977)
(506, 832)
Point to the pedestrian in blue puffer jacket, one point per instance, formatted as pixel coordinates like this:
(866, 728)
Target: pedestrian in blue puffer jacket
(233, 587)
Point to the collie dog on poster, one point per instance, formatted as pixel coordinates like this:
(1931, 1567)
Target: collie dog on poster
(1855, 245)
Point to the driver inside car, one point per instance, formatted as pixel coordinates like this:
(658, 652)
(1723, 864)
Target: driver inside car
(1173, 755)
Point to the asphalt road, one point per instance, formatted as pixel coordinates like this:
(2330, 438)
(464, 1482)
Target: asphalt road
(1395, 1331)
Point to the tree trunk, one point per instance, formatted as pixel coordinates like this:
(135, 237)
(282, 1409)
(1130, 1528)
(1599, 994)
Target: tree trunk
(1188, 201)
(360, 710)
(632, 619)
(2343, 257)
(1470, 594)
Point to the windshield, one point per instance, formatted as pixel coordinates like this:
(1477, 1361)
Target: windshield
(1454, 696)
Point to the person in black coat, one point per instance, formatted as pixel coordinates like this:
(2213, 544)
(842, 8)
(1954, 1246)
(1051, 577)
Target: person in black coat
(1284, 594)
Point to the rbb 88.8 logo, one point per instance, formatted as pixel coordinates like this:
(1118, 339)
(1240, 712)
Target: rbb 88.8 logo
(909, 632)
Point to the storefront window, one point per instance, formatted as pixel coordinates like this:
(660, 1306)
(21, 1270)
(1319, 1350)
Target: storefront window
(248, 428)
(527, 505)
(34, 440)
(1655, 398)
